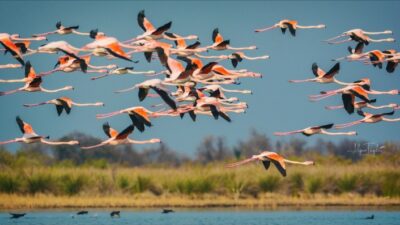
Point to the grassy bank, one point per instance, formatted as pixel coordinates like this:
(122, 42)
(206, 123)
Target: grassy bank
(199, 186)
(146, 200)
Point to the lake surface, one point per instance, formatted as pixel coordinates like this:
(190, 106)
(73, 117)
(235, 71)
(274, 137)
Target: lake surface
(207, 217)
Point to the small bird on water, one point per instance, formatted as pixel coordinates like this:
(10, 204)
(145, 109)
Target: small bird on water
(370, 217)
(83, 212)
(165, 211)
(115, 214)
(17, 215)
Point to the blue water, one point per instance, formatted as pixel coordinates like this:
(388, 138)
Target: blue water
(209, 217)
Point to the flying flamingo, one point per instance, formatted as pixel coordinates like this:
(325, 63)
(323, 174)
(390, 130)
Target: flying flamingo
(57, 46)
(392, 60)
(148, 47)
(220, 44)
(213, 71)
(363, 104)
(151, 33)
(216, 107)
(71, 63)
(360, 35)
(116, 138)
(377, 58)
(62, 30)
(176, 73)
(126, 70)
(316, 130)
(23, 47)
(35, 86)
(64, 103)
(29, 75)
(204, 73)
(266, 158)
(139, 115)
(9, 66)
(29, 136)
(235, 57)
(352, 89)
(155, 84)
(181, 45)
(291, 25)
(8, 43)
(369, 118)
(217, 91)
(323, 77)
(107, 46)
(355, 54)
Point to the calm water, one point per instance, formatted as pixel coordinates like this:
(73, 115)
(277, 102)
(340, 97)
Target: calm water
(208, 217)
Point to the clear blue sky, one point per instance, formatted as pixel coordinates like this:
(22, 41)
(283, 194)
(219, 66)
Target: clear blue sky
(276, 105)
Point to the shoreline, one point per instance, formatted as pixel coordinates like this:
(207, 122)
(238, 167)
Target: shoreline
(15, 202)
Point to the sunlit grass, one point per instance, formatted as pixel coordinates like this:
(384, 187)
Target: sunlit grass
(199, 186)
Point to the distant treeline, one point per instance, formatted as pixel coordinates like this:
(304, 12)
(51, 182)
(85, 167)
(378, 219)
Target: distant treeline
(211, 149)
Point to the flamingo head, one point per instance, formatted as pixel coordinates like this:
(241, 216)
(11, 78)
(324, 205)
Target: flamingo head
(352, 133)
(68, 88)
(73, 143)
(155, 140)
(192, 37)
(309, 163)
(391, 40)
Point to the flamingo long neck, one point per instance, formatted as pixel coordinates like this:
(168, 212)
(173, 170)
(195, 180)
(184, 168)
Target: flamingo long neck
(311, 27)
(339, 133)
(126, 90)
(294, 162)
(142, 72)
(381, 40)
(375, 33)
(236, 91)
(12, 81)
(89, 104)
(80, 33)
(379, 107)
(242, 48)
(341, 83)
(139, 142)
(106, 115)
(55, 90)
(392, 120)
(302, 81)
(256, 57)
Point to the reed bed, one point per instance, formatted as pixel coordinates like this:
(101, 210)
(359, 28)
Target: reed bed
(199, 186)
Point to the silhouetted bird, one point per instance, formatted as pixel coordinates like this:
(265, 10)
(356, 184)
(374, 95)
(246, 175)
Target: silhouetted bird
(17, 215)
(168, 211)
(115, 213)
(370, 217)
(83, 212)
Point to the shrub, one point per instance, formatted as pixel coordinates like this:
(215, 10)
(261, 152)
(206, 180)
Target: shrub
(9, 183)
(347, 183)
(391, 184)
(142, 184)
(72, 185)
(296, 183)
(269, 183)
(314, 185)
(39, 183)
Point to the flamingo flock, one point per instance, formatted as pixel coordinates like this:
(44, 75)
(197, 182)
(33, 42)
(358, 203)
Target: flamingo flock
(349, 91)
(192, 80)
